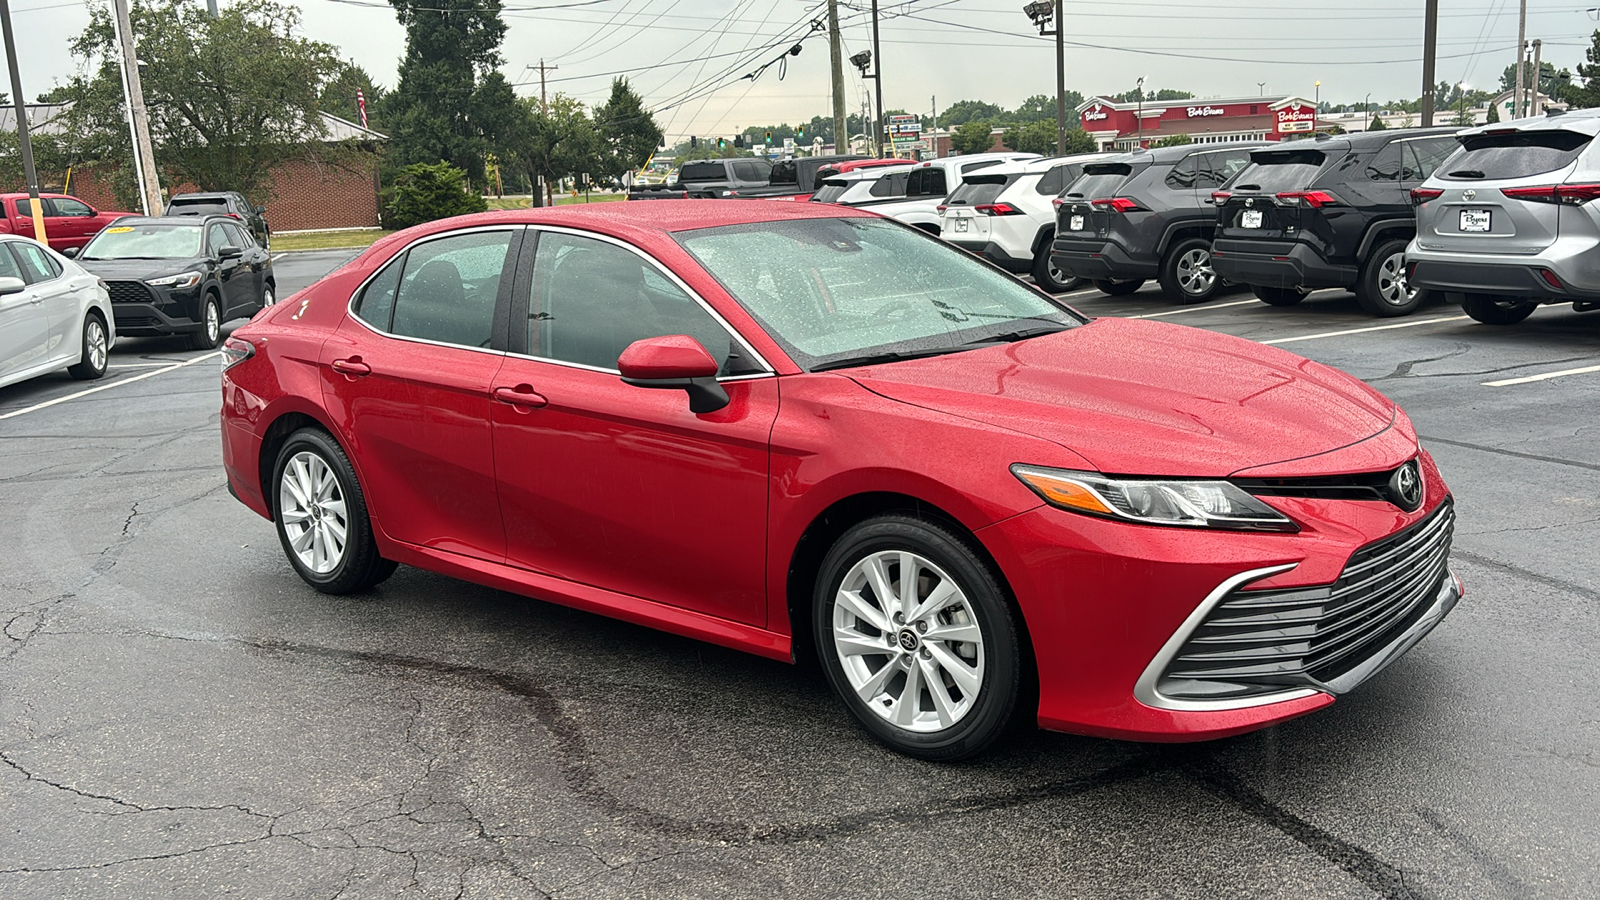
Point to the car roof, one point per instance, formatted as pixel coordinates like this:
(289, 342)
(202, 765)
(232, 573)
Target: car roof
(1583, 121)
(871, 173)
(205, 195)
(172, 220)
(638, 218)
(1362, 140)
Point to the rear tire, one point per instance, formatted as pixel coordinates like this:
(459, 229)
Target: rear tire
(1047, 276)
(1118, 288)
(938, 684)
(1186, 273)
(321, 516)
(1381, 289)
(1277, 296)
(96, 350)
(1492, 310)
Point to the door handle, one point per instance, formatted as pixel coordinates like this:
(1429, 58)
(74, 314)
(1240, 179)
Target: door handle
(522, 396)
(352, 367)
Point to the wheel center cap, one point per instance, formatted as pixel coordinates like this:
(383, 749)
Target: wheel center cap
(908, 640)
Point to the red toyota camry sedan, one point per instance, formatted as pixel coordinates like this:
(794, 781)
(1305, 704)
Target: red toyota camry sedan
(773, 426)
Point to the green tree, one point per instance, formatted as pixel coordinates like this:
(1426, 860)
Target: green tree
(1043, 106)
(963, 111)
(559, 143)
(627, 131)
(338, 96)
(1494, 114)
(452, 46)
(1585, 93)
(972, 137)
(1162, 96)
(1377, 124)
(1550, 78)
(423, 192)
(1034, 137)
(1173, 140)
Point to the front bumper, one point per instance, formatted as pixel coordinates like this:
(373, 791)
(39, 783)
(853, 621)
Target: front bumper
(141, 309)
(1100, 261)
(1109, 606)
(1279, 264)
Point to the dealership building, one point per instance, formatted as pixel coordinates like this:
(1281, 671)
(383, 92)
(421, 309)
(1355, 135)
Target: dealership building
(1124, 126)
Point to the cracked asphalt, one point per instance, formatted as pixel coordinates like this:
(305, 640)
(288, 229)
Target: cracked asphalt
(181, 717)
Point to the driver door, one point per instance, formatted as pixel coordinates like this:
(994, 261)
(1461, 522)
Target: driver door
(620, 487)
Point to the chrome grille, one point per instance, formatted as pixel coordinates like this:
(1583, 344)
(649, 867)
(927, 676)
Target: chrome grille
(1261, 641)
(129, 292)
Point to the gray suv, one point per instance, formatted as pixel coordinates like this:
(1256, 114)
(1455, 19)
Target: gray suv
(1507, 222)
(1147, 214)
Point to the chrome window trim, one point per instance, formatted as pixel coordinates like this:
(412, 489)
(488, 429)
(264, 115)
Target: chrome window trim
(1144, 690)
(674, 279)
(350, 305)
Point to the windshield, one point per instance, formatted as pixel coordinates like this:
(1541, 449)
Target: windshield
(147, 240)
(197, 207)
(835, 292)
(712, 171)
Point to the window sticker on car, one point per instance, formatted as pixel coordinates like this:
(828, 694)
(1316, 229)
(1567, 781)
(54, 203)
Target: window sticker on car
(1475, 220)
(120, 229)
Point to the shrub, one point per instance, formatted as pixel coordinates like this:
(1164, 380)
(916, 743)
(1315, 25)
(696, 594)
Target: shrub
(424, 192)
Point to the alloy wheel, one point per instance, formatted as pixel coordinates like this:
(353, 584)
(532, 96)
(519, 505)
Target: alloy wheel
(1195, 274)
(312, 507)
(1392, 284)
(908, 640)
(95, 339)
(213, 323)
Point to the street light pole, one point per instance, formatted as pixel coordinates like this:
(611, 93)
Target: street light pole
(1138, 116)
(1366, 111)
(28, 171)
(877, 81)
(1061, 84)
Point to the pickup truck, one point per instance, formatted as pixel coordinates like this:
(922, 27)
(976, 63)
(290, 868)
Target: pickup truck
(743, 178)
(68, 222)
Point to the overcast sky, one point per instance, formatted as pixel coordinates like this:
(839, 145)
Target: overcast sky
(944, 49)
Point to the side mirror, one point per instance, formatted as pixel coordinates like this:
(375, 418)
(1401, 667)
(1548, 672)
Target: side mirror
(261, 210)
(230, 253)
(70, 252)
(17, 286)
(674, 361)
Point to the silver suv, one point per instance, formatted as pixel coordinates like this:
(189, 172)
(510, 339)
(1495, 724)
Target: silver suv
(1507, 223)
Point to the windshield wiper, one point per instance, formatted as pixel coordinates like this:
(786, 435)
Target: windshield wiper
(872, 359)
(1020, 334)
(1468, 173)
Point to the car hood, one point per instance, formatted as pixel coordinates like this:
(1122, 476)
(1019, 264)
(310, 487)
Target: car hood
(137, 269)
(1147, 398)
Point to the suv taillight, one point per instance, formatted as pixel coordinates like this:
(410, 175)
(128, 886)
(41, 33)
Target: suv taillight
(1220, 197)
(1120, 204)
(1312, 199)
(1420, 196)
(1058, 201)
(997, 209)
(1570, 194)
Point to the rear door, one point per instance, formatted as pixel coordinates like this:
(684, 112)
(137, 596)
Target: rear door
(1079, 218)
(1254, 212)
(1499, 192)
(969, 210)
(56, 295)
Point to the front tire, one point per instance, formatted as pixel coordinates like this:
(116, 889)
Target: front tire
(1276, 296)
(1382, 289)
(1492, 310)
(1186, 273)
(1118, 288)
(321, 516)
(96, 350)
(1047, 276)
(917, 638)
(210, 333)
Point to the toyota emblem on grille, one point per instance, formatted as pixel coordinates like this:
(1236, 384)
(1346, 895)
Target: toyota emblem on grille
(1405, 486)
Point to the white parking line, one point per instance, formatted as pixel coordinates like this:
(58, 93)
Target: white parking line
(1328, 334)
(143, 365)
(1506, 382)
(106, 387)
(1190, 309)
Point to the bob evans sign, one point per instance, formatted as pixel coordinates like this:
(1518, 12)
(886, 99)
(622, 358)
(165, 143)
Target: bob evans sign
(1096, 113)
(1196, 112)
(1297, 118)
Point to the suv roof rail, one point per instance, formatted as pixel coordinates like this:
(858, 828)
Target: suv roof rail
(1323, 136)
(1552, 112)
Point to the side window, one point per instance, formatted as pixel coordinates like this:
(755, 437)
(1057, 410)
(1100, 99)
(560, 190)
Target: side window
(893, 185)
(25, 208)
(375, 306)
(217, 238)
(1228, 164)
(449, 289)
(591, 299)
(37, 265)
(238, 236)
(1053, 182)
(748, 171)
(933, 183)
(1425, 156)
(1184, 174)
(1385, 164)
(8, 263)
(914, 182)
(66, 206)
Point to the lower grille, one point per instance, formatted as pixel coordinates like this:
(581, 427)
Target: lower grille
(1257, 642)
(137, 321)
(129, 292)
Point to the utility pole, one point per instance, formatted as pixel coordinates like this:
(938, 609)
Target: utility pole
(144, 152)
(1522, 49)
(1430, 51)
(1533, 98)
(544, 105)
(877, 81)
(28, 170)
(1061, 84)
(841, 132)
(933, 130)
(211, 7)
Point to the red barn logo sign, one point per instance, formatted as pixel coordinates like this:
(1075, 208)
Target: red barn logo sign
(1297, 118)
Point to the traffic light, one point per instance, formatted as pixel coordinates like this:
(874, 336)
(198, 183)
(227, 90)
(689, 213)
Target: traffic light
(769, 137)
(722, 143)
(694, 142)
(800, 133)
(738, 141)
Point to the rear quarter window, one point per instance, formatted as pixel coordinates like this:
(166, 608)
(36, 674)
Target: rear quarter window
(891, 185)
(828, 193)
(1516, 155)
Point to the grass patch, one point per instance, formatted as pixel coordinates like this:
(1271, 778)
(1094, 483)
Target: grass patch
(327, 240)
(522, 202)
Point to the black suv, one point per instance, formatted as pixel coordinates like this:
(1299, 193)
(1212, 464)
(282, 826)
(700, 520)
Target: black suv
(224, 203)
(1147, 214)
(1329, 213)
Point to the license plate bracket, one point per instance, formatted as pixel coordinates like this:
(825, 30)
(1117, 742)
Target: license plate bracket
(961, 224)
(1476, 221)
(1075, 223)
(1250, 218)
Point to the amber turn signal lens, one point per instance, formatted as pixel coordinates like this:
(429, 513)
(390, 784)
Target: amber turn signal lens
(1064, 493)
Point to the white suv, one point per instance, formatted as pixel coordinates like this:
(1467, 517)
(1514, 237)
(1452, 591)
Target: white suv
(864, 187)
(1004, 213)
(929, 183)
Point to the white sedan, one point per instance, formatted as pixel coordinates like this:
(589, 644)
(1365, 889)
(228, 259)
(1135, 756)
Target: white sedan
(53, 314)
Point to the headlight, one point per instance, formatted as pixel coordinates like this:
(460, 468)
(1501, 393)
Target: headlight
(180, 282)
(1196, 504)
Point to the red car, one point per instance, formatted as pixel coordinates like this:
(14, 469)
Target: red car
(69, 223)
(780, 427)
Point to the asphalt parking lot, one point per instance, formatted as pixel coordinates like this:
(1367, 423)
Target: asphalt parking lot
(180, 716)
